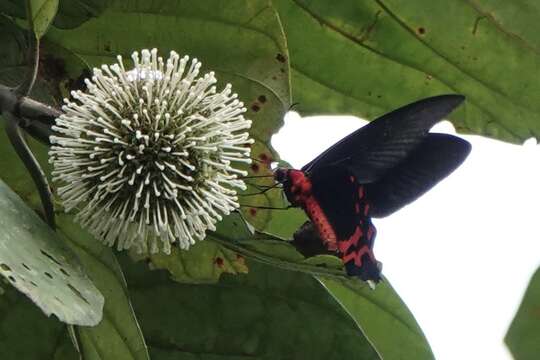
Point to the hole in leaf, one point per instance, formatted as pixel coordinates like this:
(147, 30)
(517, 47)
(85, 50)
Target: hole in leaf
(4, 267)
(60, 301)
(78, 293)
(51, 257)
(64, 272)
(48, 275)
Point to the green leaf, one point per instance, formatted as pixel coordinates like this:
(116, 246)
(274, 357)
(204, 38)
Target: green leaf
(36, 261)
(42, 13)
(266, 314)
(72, 13)
(383, 317)
(368, 57)
(204, 262)
(118, 335)
(523, 336)
(26, 333)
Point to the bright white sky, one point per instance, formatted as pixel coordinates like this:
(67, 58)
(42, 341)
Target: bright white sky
(460, 256)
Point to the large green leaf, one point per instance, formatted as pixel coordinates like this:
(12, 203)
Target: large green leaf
(118, 335)
(368, 57)
(26, 333)
(523, 337)
(266, 314)
(384, 318)
(36, 262)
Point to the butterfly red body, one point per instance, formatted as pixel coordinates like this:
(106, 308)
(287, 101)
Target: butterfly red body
(373, 172)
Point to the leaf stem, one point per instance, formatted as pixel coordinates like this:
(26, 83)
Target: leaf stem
(13, 132)
(27, 84)
(269, 260)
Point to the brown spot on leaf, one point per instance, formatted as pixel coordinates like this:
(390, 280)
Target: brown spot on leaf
(281, 58)
(262, 99)
(421, 31)
(252, 211)
(218, 261)
(240, 259)
(255, 167)
(255, 107)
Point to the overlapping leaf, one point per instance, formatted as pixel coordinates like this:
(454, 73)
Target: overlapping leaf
(26, 333)
(266, 314)
(368, 57)
(36, 262)
(523, 336)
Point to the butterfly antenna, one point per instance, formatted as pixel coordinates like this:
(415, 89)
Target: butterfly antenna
(259, 160)
(265, 207)
(293, 105)
(255, 176)
(262, 190)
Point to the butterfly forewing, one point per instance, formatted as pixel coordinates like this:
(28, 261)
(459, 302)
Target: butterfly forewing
(372, 150)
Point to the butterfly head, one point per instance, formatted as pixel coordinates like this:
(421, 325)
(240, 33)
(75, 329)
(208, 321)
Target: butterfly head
(295, 184)
(281, 175)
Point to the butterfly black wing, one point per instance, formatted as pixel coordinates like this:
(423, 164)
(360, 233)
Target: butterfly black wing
(345, 205)
(372, 150)
(434, 159)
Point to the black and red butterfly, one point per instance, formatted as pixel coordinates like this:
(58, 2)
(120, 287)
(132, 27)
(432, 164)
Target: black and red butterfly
(373, 172)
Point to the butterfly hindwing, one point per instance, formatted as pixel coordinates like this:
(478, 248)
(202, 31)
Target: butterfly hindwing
(344, 202)
(433, 160)
(372, 150)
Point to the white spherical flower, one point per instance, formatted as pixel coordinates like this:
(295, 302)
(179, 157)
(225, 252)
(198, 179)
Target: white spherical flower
(147, 155)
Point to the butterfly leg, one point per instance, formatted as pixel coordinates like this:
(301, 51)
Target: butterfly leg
(308, 241)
